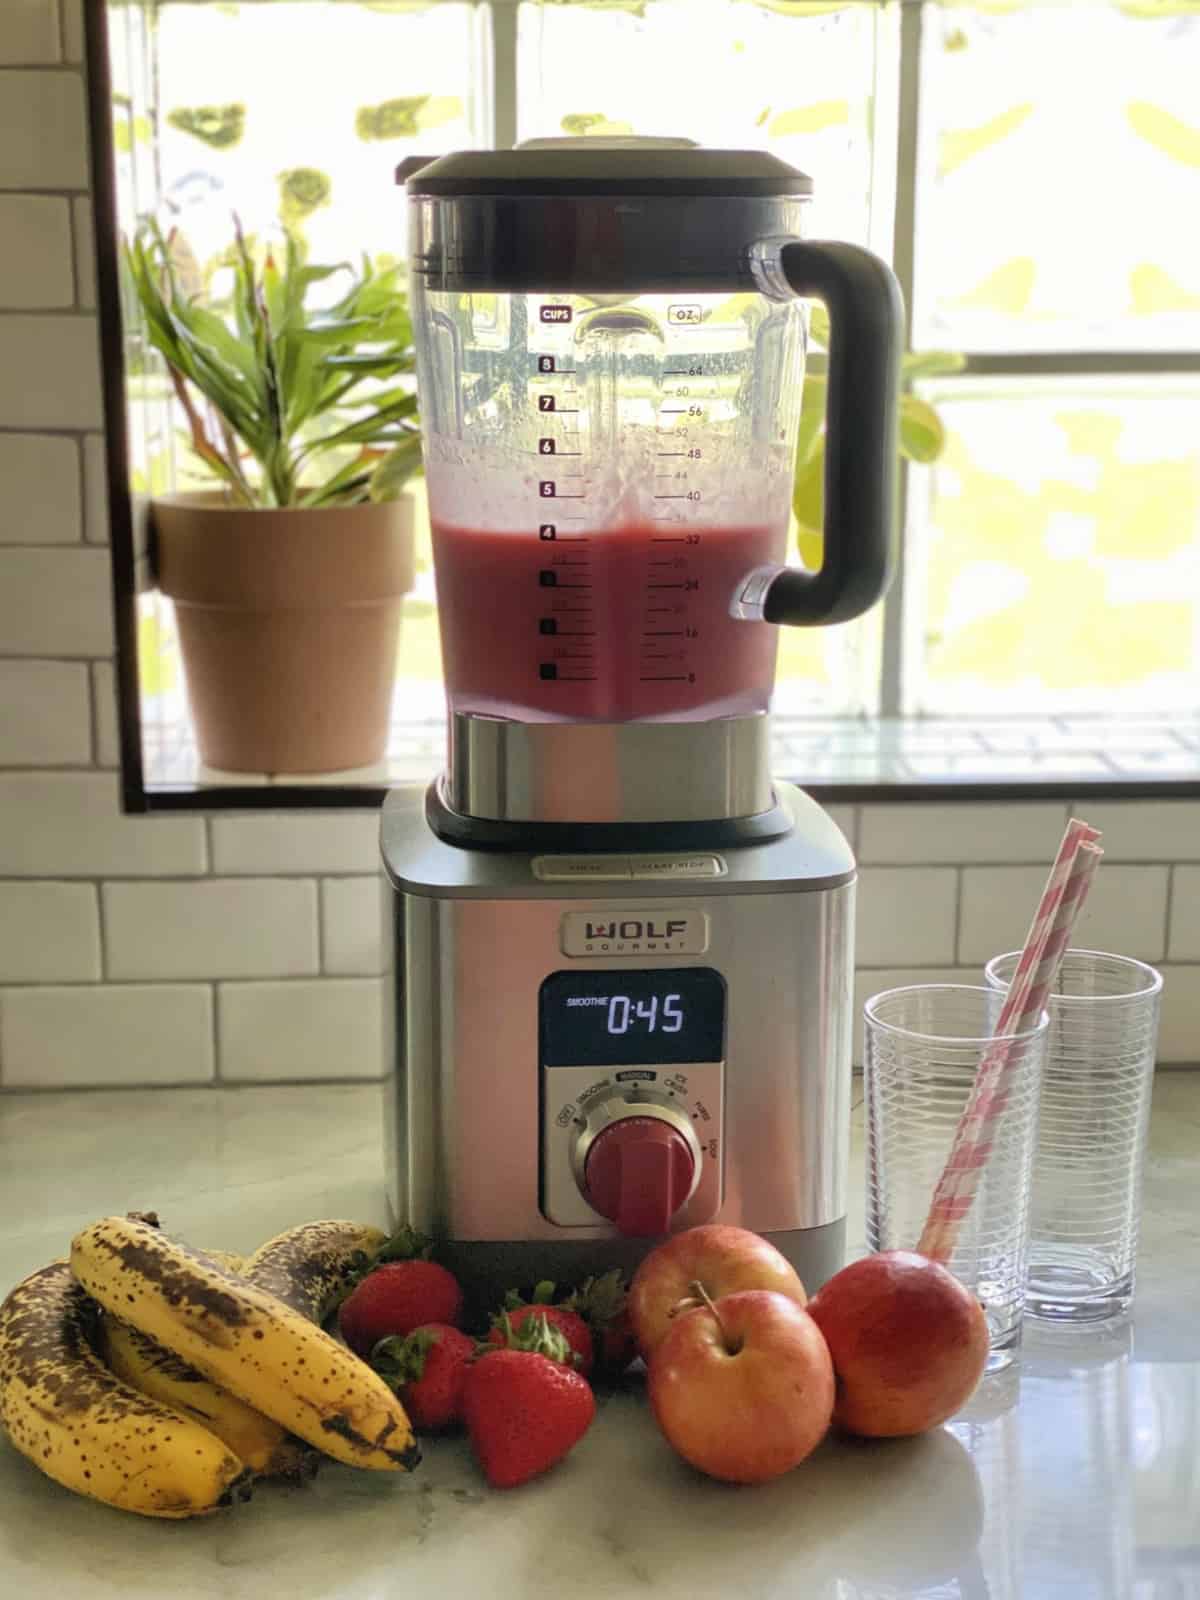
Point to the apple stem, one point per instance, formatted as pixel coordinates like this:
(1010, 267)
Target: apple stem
(697, 1289)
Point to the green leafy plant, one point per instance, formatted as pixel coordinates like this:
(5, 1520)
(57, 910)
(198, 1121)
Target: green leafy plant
(221, 127)
(922, 436)
(302, 190)
(287, 405)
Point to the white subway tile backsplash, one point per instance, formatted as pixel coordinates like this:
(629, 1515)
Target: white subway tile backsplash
(108, 1034)
(43, 136)
(1125, 911)
(104, 703)
(276, 1031)
(874, 980)
(69, 825)
(55, 602)
(44, 719)
(1183, 938)
(960, 833)
(905, 916)
(29, 33)
(85, 253)
(49, 369)
(352, 925)
(1179, 1022)
(211, 928)
(39, 489)
(1145, 830)
(95, 490)
(49, 933)
(36, 269)
(329, 841)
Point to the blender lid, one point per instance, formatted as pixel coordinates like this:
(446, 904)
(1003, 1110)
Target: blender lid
(598, 216)
(584, 165)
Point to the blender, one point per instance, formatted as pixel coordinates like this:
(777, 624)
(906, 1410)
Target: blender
(623, 954)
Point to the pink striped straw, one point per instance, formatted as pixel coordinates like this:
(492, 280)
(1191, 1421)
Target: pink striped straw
(1066, 889)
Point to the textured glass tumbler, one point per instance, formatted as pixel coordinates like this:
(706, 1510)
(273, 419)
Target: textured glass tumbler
(924, 1046)
(1095, 1110)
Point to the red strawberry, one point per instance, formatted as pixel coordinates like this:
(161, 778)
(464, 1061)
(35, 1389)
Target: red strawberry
(395, 1299)
(601, 1303)
(524, 1412)
(427, 1369)
(509, 1329)
(618, 1346)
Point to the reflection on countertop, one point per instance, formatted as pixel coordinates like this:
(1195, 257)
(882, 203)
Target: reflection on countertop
(1074, 1474)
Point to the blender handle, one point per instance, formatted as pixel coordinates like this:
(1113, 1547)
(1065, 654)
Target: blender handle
(866, 322)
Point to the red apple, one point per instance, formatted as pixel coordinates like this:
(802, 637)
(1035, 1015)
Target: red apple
(908, 1341)
(721, 1258)
(742, 1387)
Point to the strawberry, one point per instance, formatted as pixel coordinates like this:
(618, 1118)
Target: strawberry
(427, 1369)
(510, 1329)
(525, 1410)
(407, 1291)
(601, 1303)
(598, 1328)
(618, 1346)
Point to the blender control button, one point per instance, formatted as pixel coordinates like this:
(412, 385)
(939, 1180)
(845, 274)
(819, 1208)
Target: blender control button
(639, 1172)
(576, 869)
(678, 867)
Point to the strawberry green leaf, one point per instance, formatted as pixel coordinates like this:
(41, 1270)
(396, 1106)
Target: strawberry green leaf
(402, 1360)
(538, 1336)
(406, 1244)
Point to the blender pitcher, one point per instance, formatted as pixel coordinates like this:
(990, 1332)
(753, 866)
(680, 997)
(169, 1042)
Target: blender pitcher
(610, 354)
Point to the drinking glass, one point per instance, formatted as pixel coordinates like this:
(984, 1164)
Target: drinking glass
(1095, 1109)
(924, 1047)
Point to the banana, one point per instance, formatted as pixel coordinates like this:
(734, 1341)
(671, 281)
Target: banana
(87, 1429)
(311, 1267)
(246, 1340)
(263, 1445)
(226, 1259)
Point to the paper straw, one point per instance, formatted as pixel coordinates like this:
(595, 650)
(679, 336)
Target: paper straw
(1060, 904)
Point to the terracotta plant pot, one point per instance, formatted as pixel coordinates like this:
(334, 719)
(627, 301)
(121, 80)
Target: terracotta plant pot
(288, 625)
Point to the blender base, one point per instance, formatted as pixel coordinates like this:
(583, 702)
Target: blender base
(488, 1268)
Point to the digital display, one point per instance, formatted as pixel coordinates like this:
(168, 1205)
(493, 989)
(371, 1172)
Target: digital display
(632, 1019)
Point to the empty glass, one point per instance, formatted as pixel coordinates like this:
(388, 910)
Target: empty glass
(1095, 1110)
(924, 1046)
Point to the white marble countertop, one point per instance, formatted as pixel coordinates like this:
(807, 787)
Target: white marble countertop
(1077, 1474)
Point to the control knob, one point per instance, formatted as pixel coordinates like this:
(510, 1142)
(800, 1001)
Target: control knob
(641, 1168)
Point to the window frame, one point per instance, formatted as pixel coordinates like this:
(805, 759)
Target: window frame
(500, 18)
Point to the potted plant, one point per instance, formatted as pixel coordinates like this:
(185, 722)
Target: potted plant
(289, 576)
(922, 436)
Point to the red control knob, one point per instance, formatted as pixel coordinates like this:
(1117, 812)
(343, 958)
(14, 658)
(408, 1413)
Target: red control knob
(639, 1172)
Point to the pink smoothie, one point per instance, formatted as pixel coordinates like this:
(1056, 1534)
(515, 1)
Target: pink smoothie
(611, 626)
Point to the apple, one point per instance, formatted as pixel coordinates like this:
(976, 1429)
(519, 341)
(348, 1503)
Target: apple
(742, 1387)
(722, 1258)
(909, 1343)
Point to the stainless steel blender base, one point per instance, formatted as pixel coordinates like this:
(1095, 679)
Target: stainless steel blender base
(481, 1105)
(487, 1269)
(608, 772)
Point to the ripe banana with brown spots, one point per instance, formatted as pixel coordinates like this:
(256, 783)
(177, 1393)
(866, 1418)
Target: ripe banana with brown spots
(264, 1446)
(310, 1268)
(86, 1428)
(246, 1340)
(226, 1259)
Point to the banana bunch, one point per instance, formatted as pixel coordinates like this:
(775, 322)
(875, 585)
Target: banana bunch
(162, 1379)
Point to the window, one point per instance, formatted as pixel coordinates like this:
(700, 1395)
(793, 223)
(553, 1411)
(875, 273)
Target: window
(1031, 168)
